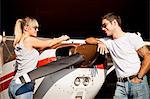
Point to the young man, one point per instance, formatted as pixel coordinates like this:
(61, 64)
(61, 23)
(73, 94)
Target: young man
(125, 49)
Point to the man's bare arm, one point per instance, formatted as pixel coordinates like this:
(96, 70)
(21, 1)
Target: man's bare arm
(91, 40)
(145, 66)
(101, 46)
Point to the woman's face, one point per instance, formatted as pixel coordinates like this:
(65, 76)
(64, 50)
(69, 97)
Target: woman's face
(33, 28)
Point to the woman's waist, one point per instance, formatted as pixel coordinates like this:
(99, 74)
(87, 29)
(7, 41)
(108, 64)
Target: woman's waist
(22, 72)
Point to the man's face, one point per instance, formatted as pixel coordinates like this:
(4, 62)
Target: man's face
(107, 27)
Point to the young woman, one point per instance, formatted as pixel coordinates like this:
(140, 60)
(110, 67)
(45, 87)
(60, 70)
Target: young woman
(26, 44)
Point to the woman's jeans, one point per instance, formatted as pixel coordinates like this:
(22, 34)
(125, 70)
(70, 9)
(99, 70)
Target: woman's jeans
(129, 90)
(21, 91)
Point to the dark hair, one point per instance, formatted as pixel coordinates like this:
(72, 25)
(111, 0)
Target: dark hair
(112, 16)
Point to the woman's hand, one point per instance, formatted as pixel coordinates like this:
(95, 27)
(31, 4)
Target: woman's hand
(102, 49)
(65, 37)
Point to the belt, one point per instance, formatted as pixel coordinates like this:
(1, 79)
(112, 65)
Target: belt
(125, 78)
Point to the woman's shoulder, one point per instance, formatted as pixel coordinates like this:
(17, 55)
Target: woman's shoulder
(29, 39)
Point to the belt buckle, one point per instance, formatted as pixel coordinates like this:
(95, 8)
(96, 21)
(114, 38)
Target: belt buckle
(122, 79)
(126, 78)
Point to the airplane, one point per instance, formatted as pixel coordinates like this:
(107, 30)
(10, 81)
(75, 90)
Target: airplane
(80, 78)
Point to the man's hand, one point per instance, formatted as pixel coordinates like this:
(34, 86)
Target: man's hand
(136, 80)
(101, 46)
(102, 49)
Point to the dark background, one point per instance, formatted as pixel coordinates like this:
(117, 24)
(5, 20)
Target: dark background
(76, 18)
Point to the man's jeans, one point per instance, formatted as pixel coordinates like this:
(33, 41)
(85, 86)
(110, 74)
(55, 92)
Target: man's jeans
(129, 90)
(13, 87)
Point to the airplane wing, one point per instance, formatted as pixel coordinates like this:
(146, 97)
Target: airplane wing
(51, 68)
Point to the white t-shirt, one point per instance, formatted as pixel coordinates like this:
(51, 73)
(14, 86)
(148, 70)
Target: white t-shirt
(124, 55)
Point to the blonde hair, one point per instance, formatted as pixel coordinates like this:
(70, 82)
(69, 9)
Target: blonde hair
(19, 27)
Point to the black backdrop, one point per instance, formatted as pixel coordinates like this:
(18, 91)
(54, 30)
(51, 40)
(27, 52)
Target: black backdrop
(77, 18)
